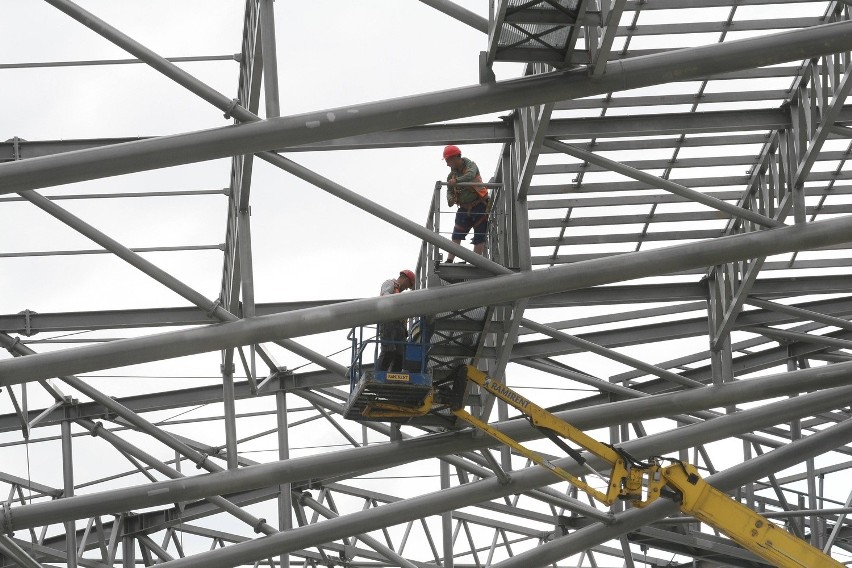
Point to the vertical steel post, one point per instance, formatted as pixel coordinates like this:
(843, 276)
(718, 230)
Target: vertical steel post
(68, 485)
(721, 357)
(228, 399)
(128, 544)
(447, 520)
(270, 58)
(285, 495)
(246, 266)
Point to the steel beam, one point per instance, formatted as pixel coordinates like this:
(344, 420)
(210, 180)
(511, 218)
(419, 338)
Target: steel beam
(799, 313)
(34, 323)
(791, 336)
(420, 302)
(461, 14)
(417, 507)
(97, 429)
(361, 460)
(398, 560)
(777, 460)
(420, 109)
(68, 485)
(610, 354)
(658, 182)
(614, 127)
(15, 553)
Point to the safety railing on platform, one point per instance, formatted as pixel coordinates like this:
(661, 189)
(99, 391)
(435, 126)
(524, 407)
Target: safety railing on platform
(362, 340)
(430, 254)
(457, 335)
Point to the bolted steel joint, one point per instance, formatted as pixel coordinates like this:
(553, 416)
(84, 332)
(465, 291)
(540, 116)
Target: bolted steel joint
(234, 104)
(258, 527)
(96, 429)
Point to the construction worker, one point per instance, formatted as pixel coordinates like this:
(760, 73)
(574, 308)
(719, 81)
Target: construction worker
(393, 333)
(472, 201)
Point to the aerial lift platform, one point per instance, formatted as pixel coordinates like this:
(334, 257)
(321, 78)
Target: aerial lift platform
(411, 387)
(641, 483)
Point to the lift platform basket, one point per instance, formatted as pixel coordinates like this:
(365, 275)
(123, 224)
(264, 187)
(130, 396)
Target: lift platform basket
(400, 388)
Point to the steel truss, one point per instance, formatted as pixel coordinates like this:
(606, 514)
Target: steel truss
(701, 311)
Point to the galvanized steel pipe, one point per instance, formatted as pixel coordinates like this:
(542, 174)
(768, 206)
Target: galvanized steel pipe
(423, 302)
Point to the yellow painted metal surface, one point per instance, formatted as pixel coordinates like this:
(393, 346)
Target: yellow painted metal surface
(630, 481)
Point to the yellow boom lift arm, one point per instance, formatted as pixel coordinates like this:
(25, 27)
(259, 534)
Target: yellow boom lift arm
(628, 478)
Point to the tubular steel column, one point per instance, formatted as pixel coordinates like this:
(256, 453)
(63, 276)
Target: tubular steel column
(447, 520)
(128, 543)
(68, 484)
(270, 58)
(285, 495)
(227, 369)
(718, 295)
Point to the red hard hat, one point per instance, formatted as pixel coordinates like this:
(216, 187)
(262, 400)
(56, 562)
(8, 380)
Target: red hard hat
(408, 274)
(451, 151)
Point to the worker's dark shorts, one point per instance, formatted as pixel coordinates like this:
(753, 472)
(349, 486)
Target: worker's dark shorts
(476, 219)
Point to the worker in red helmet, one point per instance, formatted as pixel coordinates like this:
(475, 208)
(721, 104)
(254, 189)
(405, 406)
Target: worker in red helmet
(393, 333)
(472, 200)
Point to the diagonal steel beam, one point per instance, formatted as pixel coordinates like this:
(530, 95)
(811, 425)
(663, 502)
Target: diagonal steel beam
(423, 302)
(727, 480)
(417, 507)
(786, 335)
(611, 354)
(668, 185)
(398, 560)
(796, 154)
(420, 109)
(826, 125)
(800, 313)
(10, 549)
(461, 14)
(96, 429)
(223, 103)
(231, 108)
(371, 458)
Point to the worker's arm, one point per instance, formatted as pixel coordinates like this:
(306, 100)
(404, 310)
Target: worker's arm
(388, 288)
(469, 173)
(452, 191)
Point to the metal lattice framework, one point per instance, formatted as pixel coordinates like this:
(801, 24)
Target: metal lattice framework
(667, 268)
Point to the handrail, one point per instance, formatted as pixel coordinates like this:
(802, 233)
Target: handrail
(490, 185)
(429, 253)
